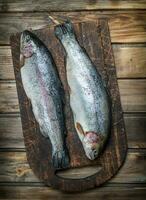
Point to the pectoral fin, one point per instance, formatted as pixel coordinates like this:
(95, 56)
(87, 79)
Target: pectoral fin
(22, 60)
(80, 128)
(43, 132)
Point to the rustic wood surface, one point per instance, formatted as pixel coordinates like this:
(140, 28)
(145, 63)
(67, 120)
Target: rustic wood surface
(127, 27)
(12, 137)
(98, 46)
(20, 5)
(132, 66)
(133, 96)
(14, 168)
(109, 191)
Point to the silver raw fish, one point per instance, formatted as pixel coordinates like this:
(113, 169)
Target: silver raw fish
(43, 87)
(89, 99)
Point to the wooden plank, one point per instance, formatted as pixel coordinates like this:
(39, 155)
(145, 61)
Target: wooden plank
(133, 96)
(136, 130)
(8, 98)
(125, 27)
(14, 168)
(129, 170)
(110, 192)
(61, 5)
(117, 145)
(6, 64)
(130, 62)
(11, 131)
(133, 169)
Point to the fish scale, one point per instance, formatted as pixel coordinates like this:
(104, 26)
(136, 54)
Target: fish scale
(89, 99)
(44, 89)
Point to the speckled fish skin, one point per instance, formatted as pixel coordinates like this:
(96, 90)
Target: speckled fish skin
(43, 87)
(89, 99)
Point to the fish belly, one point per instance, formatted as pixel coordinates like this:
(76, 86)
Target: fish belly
(45, 111)
(88, 99)
(43, 106)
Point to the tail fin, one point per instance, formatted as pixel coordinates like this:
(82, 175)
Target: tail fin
(64, 30)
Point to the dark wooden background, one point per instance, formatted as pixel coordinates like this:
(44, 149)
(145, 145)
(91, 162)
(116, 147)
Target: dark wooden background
(127, 22)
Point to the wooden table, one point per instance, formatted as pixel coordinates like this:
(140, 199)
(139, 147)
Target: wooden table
(127, 22)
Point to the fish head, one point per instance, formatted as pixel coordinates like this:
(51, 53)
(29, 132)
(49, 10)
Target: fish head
(28, 44)
(92, 143)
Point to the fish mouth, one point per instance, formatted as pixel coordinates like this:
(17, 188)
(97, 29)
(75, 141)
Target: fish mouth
(91, 144)
(91, 154)
(26, 48)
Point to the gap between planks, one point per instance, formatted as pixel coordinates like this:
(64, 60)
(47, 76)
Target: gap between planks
(107, 191)
(132, 66)
(133, 96)
(12, 137)
(77, 5)
(125, 27)
(14, 168)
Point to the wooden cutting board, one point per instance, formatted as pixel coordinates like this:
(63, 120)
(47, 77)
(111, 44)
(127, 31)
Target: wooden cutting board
(83, 174)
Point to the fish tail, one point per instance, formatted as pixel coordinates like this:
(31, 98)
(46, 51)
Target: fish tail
(64, 30)
(60, 159)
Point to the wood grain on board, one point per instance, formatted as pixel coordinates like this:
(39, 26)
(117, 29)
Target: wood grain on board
(136, 130)
(125, 27)
(133, 96)
(130, 62)
(11, 131)
(38, 149)
(61, 5)
(14, 168)
(110, 192)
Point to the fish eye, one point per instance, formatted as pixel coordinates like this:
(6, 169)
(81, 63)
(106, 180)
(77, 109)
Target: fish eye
(27, 38)
(95, 153)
